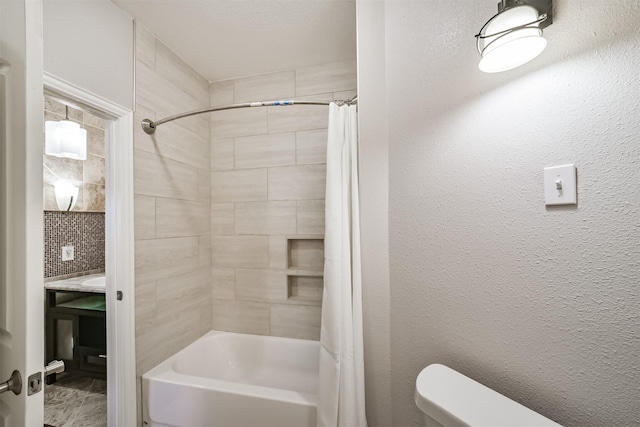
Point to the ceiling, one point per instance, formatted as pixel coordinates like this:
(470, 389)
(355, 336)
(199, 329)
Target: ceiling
(224, 39)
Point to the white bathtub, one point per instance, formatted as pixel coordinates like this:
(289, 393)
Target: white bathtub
(226, 379)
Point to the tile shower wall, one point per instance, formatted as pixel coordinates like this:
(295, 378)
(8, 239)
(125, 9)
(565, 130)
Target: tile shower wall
(82, 230)
(267, 200)
(172, 206)
(87, 175)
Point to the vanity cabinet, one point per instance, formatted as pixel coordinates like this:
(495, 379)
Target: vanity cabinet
(76, 331)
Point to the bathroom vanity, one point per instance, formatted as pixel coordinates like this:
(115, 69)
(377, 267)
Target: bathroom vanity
(76, 324)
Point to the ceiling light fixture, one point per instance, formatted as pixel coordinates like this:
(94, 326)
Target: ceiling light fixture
(513, 36)
(65, 139)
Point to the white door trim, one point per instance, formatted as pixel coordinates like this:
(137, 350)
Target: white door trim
(119, 251)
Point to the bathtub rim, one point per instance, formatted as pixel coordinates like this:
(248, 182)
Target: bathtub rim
(164, 372)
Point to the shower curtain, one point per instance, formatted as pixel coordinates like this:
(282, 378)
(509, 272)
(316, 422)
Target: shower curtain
(341, 384)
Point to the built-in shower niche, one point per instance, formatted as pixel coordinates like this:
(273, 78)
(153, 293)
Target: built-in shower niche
(305, 265)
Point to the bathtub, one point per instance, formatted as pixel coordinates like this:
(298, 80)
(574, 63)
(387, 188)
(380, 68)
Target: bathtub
(226, 379)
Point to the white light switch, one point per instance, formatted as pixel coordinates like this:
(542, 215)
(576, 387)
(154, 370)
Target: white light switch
(560, 185)
(67, 253)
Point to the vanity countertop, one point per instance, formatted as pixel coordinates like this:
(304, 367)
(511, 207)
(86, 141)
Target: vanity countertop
(75, 284)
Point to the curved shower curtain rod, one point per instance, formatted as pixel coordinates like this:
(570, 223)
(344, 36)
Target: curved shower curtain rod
(150, 126)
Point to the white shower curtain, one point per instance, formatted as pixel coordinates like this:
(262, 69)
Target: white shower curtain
(341, 386)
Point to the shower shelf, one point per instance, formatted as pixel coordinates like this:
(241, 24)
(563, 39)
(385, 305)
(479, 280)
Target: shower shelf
(305, 269)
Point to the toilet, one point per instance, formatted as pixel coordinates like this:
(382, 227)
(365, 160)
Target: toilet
(449, 399)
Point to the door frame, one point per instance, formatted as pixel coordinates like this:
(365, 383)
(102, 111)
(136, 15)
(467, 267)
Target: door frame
(119, 250)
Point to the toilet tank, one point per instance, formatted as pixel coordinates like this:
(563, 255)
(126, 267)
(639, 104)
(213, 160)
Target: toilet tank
(455, 400)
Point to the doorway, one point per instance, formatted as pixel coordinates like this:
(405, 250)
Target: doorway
(74, 266)
(99, 318)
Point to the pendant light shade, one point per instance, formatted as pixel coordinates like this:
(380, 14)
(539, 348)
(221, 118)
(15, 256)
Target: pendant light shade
(66, 195)
(511, 38)
(65, 139)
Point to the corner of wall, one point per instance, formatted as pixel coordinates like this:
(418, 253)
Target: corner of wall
(374, 200)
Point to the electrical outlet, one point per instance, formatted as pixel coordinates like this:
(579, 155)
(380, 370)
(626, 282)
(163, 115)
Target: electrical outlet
(67, 253)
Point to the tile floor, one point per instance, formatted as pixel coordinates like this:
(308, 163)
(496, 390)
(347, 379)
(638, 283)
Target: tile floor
(75, 401)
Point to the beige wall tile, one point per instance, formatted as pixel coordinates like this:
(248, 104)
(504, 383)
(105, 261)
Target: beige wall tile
(241, 122)
(222, 154)
(48, 115)
(169, 65)
(170, 100)
(93, 170)
(204, 186)
(167, 336)
(145, 45)
(56, 107)
(93, 196)
(345, 94)
(278, 252)
(334, 77)
(64, 168)
(174, 166)
(300, 117)
(265, 150)
(184, 293)
(265, 218)
(93, 121)
(158, 176)
(180, 218)
(49, 178)
(295, 321)
(145, 310)
(310, 217)
(239, 186)
(240, 316)
(266, 87)
(49, 199)
(161, 95)
(161, 258)
(223, 283)
(297, 182)
(221, 93)
(222, 218)
(261, 285)
(175, 140)
(311, 147)
(145, 217)
(179, 141)
(95, 141)
(204, 251)
(240, 251)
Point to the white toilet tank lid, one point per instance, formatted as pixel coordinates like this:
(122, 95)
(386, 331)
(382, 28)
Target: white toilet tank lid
(455, 400)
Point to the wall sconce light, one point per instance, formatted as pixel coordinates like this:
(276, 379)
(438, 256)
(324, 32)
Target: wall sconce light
(513, 36)
(65, 139)
(66, 195)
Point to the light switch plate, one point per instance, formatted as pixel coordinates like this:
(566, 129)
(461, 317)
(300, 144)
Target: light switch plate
(560, 185)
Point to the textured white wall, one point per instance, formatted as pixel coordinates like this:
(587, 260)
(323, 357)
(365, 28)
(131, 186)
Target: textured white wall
(90, 44)
(539, 304)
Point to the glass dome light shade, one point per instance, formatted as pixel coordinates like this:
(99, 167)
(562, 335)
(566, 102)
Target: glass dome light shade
(505, 51)
(66, 195)
(517, 48)
(65, 139)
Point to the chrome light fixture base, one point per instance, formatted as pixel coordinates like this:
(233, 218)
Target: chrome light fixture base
(544, 7)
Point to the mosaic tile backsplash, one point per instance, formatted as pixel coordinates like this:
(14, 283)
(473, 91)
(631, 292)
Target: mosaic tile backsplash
(82, 230)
